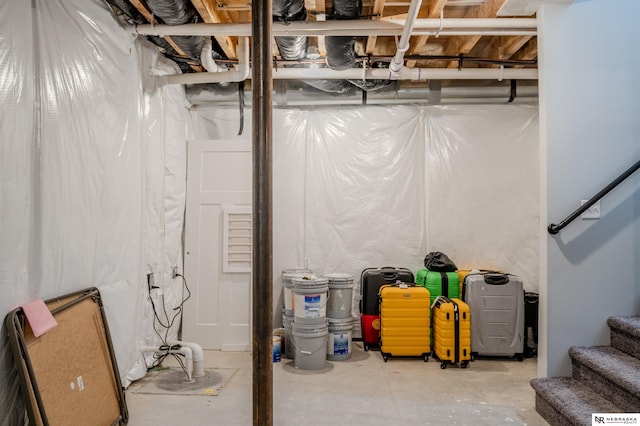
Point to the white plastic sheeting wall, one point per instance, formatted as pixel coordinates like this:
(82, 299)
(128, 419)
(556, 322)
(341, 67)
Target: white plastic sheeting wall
(92, 171)
(368, 186)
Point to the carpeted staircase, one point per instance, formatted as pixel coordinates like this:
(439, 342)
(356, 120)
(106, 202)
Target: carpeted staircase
(605, 379)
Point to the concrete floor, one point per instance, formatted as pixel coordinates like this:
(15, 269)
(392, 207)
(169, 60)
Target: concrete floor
(363, 390)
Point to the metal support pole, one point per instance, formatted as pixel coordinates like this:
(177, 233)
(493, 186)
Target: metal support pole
(262, 82)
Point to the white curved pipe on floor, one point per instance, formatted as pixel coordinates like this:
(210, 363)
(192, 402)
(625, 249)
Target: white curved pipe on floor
(198, 356)
(183, 350)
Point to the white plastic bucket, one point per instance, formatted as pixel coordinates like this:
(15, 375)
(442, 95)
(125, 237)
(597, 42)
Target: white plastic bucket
(289, 345)
(287, 276)
(277, 349)
(339, 339)
(311, 345)
(310, 300)
(340, 297)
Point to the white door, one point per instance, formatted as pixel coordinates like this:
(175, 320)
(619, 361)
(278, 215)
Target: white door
(217, 253)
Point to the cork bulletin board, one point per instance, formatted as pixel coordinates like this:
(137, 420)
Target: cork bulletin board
(69, 374)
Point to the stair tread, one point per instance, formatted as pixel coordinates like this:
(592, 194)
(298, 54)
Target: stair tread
(626, 324)
(617, 366)
(572, 398)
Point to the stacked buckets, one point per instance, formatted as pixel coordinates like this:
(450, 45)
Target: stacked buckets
(310, 330)
(287, 317)
(339, 316)
(317, 317)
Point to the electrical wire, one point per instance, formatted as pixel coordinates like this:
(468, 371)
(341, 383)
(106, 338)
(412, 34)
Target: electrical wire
(164, 350)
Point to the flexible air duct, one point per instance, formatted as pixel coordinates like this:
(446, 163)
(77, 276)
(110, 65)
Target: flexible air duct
(132, 14)
(341, 52)
(177, 12)
(172, 12)
(370, 85)
(291, 48)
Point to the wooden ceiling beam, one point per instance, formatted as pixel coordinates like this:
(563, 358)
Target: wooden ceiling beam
(463, 45)
(506, 47)
(378, 9)
(210, 15)
(434, 9)
(528, 52)
(320, 15)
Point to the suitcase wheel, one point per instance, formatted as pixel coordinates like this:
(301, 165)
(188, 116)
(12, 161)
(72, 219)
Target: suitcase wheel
(366, 347)
(464, 364)
(385, 357)
(425, 357)
(443, 364)
(520, 357)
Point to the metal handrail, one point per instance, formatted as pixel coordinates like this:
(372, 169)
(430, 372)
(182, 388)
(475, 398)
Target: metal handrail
(554, 229)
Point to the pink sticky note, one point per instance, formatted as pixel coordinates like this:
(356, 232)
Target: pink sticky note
(40, 318)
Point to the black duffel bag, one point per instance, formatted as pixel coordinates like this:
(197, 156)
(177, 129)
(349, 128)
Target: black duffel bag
(439, 262)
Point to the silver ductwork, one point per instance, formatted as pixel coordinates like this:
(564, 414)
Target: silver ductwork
(291, 48)
(170, 12)
(341, 54)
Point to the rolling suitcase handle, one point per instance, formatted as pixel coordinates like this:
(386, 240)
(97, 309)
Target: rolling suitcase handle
(496, 279)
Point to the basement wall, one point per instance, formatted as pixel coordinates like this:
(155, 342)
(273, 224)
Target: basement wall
(590, 134)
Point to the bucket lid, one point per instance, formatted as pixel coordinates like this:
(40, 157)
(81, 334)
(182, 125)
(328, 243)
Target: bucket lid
(298, 270)
(340, 321)
(289, 277)
(342, 280)
(309, 281)
(310, 328)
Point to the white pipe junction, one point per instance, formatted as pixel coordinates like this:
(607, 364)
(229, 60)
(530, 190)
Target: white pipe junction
(397, 63)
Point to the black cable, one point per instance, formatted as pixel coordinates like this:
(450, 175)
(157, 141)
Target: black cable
(241, 104)
(164, 350)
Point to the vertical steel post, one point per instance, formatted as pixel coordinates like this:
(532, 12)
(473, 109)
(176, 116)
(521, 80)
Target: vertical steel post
(262, 85)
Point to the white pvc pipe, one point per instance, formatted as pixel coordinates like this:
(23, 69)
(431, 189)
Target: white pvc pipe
(397, 63)
(206, 56)
(350, 27)
(198, 357)
(416, 74)
(243, 71)
(184, 351)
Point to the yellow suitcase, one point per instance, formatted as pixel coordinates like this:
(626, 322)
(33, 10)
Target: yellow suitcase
(451, 332)
(405, 321)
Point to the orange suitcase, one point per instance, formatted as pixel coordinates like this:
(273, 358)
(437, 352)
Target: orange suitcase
(405, 321)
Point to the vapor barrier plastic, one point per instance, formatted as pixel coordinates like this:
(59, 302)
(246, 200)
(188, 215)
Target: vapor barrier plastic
(81, 203)
(483, 187)
(164, 138)
(356, 187)
(16, 151)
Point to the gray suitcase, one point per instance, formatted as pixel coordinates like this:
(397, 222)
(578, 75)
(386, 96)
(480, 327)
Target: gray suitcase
(496, 302)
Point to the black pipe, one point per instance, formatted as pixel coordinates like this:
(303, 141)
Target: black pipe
(262, 268)
(554, 229)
